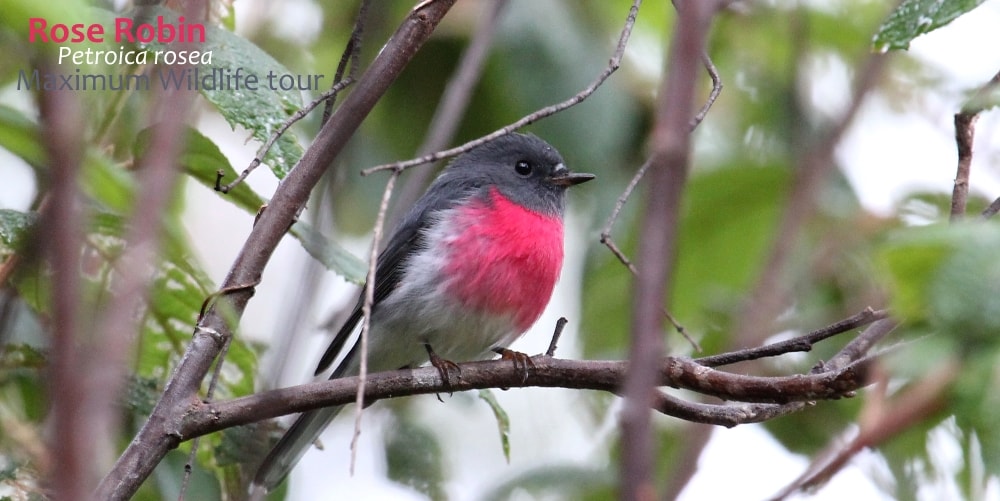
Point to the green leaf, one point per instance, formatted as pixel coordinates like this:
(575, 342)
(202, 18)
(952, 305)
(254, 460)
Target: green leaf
(414, 457)
(112, 187)
(14, 226)
(949, 277)
(910, 257)
(202, 160)
(556, 482)
(260, 111)
(914, 18)
(503, 421)
(330, 253)
(965, 294)
(19, 135)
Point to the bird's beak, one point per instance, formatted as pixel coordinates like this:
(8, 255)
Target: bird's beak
(561, 176)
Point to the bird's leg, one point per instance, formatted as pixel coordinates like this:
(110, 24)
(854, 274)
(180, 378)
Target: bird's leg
(443, 366)
(521, 360)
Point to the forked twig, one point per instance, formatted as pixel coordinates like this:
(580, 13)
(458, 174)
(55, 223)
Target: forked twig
(547, 111)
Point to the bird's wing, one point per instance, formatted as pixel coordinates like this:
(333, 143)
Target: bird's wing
(407, 239)
(309, 425)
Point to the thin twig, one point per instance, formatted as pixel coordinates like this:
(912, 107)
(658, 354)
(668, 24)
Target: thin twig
(553, 344)
(797, 344)
(352, 55)
(453, 105)
(859, 346)
(295, 117)
(965, 133)
(619, 205)
(366, 309)
(606, 239)
(624, 197)
(713, 73)
(991, 210)
(547, 111)
(231, 289)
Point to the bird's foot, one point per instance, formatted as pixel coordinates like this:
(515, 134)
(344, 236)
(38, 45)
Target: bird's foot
(443, 367)
(521, 360)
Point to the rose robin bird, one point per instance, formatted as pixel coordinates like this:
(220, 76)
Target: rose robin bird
(468, 270)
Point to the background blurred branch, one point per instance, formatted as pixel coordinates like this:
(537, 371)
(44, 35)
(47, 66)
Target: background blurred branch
(62, 238)
(669, 165)
(769, 296)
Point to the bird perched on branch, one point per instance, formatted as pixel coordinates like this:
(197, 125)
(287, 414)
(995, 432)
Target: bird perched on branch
(469, 269)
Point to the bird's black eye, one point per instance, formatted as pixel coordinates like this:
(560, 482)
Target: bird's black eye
(522, 167)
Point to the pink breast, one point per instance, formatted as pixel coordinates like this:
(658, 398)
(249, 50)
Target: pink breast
(505, 260)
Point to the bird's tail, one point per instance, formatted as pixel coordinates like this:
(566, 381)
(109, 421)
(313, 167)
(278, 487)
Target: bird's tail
(292, 446)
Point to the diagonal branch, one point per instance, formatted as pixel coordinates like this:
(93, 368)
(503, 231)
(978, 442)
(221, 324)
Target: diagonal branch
(153, 442)
(889, 418)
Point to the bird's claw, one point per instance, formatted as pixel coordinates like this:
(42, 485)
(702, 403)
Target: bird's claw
(521, 360)
(443, 367)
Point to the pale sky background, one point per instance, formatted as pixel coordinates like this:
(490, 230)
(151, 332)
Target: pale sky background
(886, 154)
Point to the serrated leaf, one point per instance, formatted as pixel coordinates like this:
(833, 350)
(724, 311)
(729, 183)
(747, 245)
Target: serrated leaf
(913, 18)
(14, 226)
(503, 421)
(260, 111)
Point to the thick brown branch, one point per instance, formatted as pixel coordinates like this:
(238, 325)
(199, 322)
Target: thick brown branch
(201, 417)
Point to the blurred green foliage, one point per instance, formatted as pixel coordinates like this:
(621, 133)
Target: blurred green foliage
(941, 281)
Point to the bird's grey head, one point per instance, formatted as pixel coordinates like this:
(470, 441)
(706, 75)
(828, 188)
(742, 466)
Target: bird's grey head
(522, 167)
